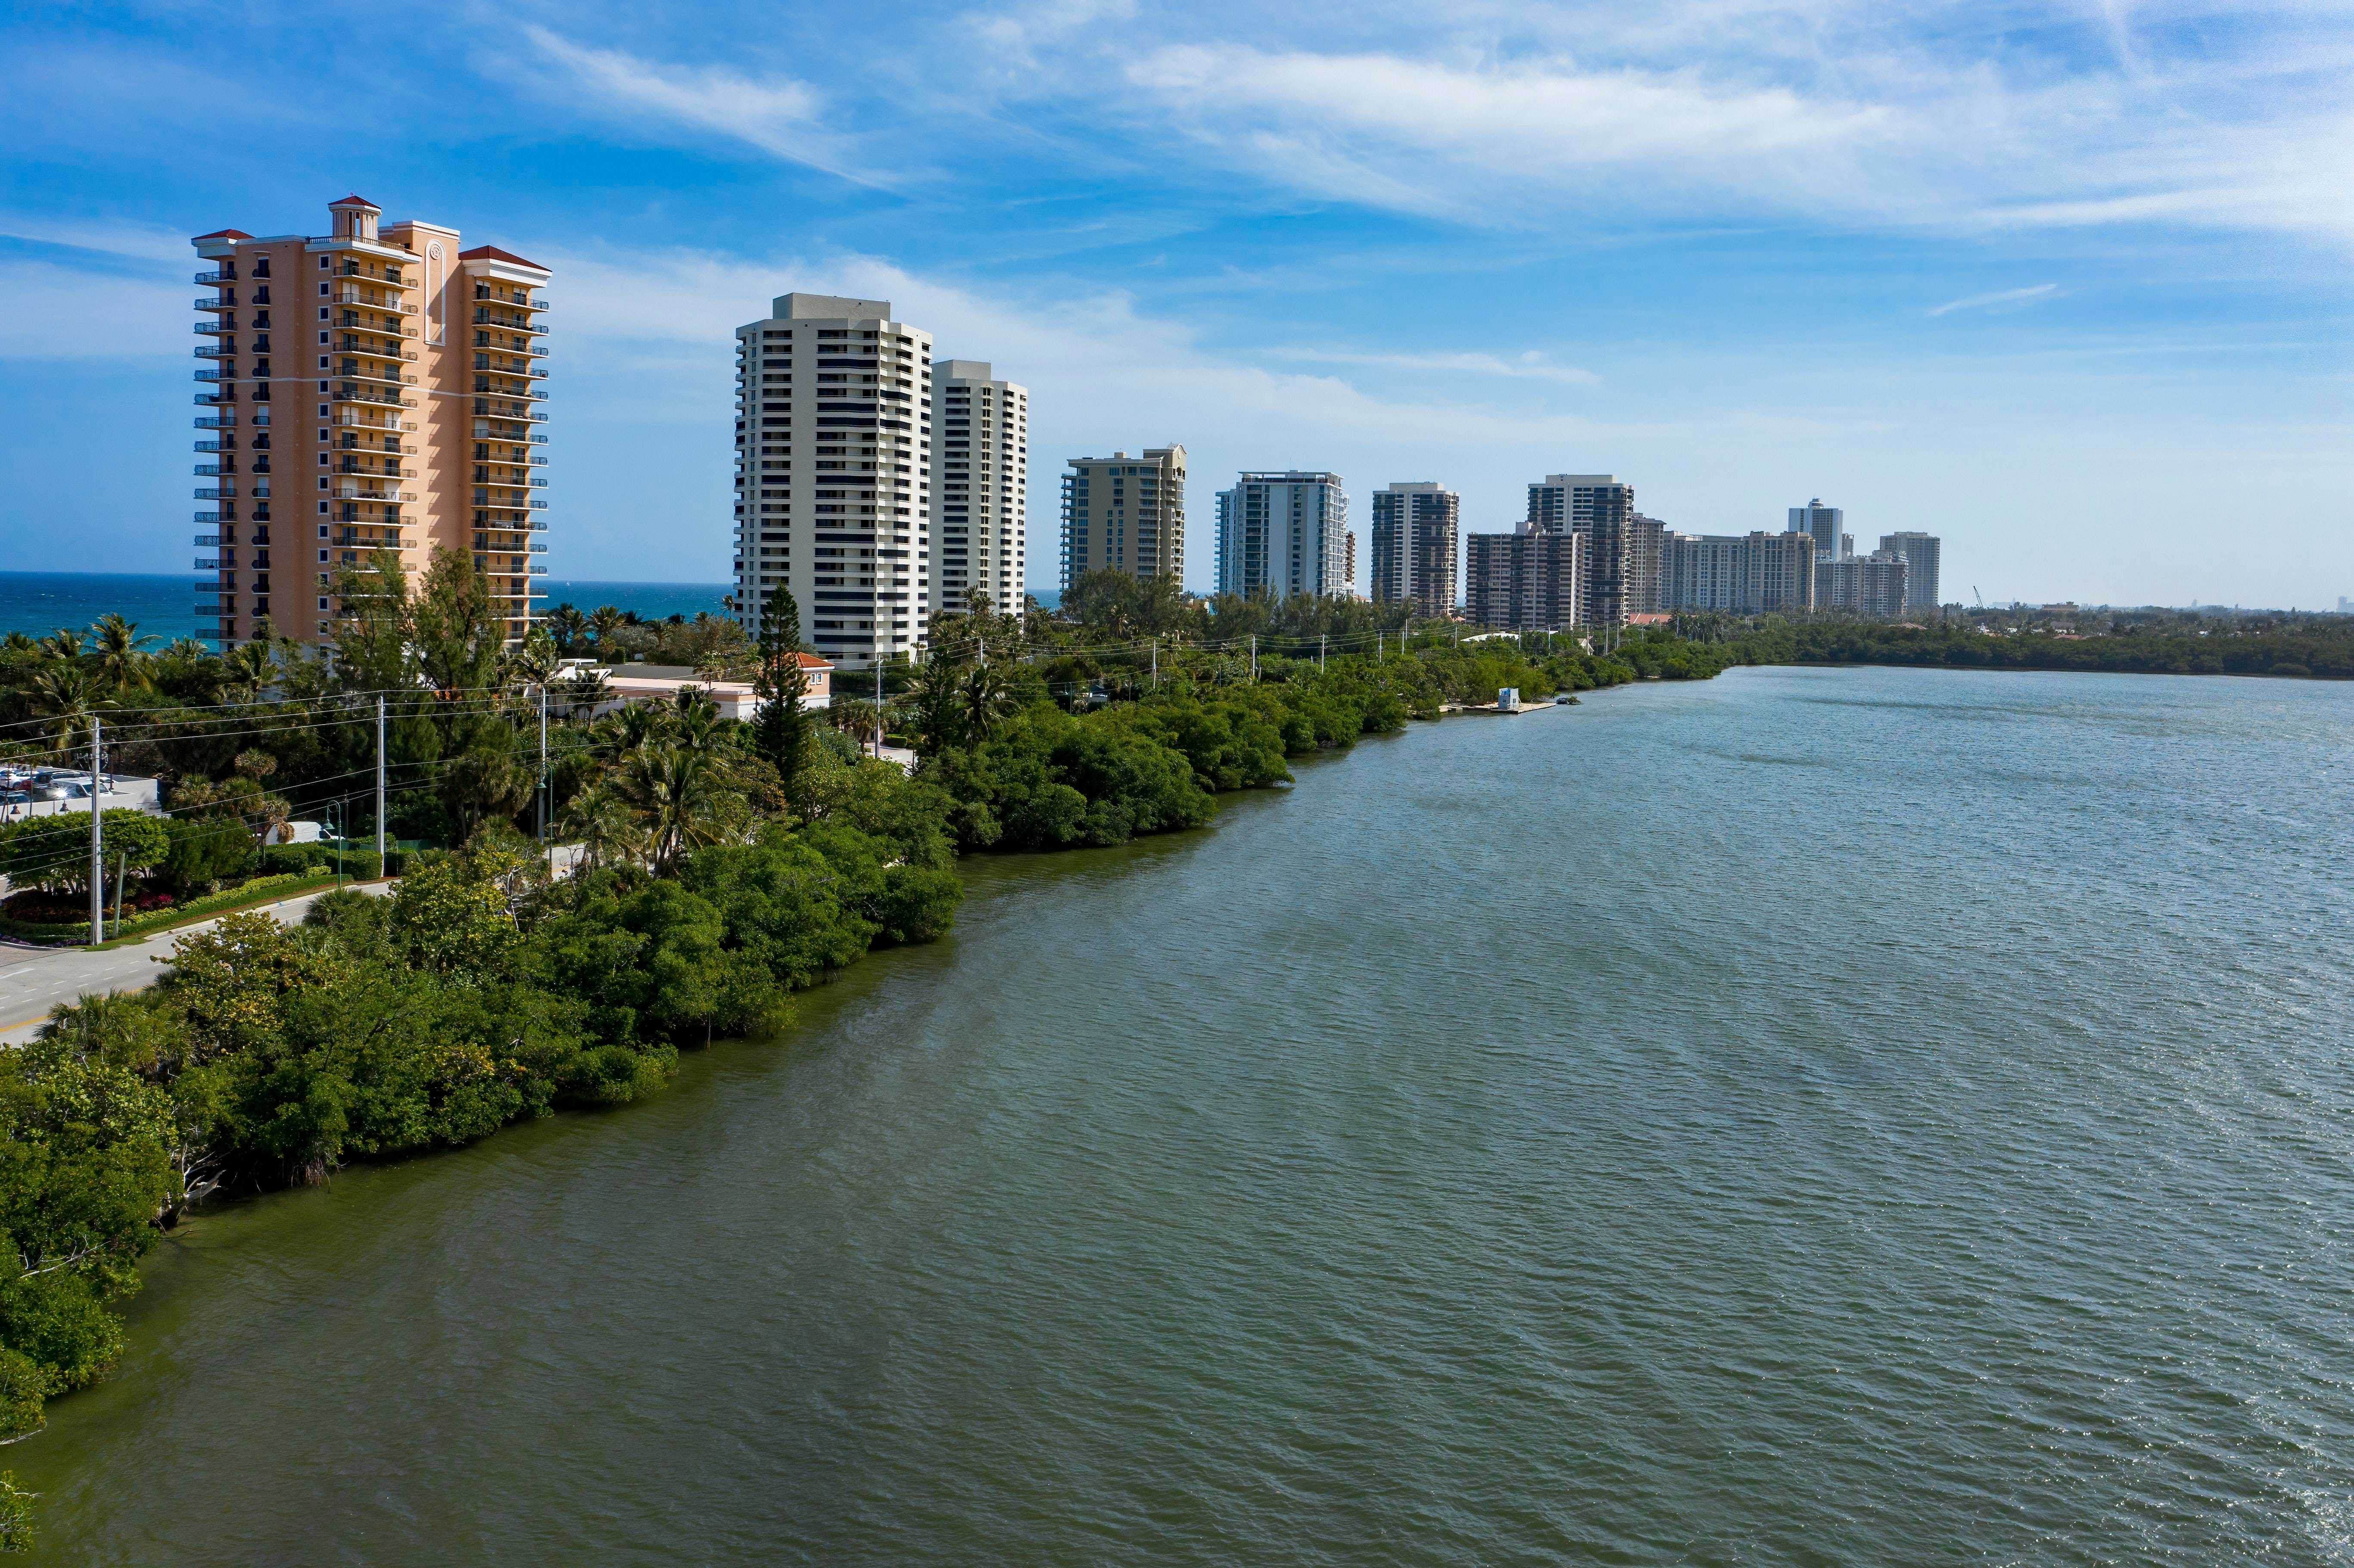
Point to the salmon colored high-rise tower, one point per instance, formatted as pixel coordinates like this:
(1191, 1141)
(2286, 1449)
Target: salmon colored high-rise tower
(368, 390)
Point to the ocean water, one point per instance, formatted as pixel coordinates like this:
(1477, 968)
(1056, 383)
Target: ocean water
(42, 602)
(651, 601)
(1817, 1115)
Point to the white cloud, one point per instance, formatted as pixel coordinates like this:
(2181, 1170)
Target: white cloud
(1531, 366)
(1998, 300)
(73, 312)
(1864, 116)
(133, 241)
(1399, 131)
(778, 115)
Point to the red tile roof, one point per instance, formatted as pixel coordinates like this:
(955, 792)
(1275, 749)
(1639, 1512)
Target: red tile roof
(492, 253)
(354, 201)
(811, 661)
(226, 234)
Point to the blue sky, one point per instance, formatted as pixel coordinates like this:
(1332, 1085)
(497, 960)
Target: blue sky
(2064, 283)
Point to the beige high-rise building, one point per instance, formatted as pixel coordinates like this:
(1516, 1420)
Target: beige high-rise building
(834, 474)
(373, 388)
(1127, 512)
(980, 492)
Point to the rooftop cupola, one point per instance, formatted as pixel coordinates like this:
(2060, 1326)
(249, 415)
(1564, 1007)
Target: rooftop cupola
(354, 218)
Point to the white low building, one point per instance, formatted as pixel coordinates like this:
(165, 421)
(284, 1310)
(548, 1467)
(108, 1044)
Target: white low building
(628, 684)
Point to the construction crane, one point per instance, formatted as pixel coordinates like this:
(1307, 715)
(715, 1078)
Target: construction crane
(1975, 595)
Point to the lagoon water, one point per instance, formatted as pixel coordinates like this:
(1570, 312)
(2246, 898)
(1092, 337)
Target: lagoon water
(1819, 1116)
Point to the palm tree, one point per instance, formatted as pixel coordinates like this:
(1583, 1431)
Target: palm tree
(988, 699)
(247, 668)
(631, 727)
(18, 642)
(583, 693)
(70, 694)
(605, 619)
(534, 661)
(123, 661)
(696, 720)
(569, 626)
(602, 825)
(680, 797)
(62, 645)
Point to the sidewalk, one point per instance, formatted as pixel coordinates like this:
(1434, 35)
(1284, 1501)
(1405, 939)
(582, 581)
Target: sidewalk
(34, 979)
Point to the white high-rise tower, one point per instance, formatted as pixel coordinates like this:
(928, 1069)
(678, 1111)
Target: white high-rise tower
(834, 460)
(981, 486)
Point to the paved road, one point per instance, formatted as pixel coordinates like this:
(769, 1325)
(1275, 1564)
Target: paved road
(34, 979)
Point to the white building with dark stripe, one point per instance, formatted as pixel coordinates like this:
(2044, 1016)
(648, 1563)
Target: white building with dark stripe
(981, 487)
(834, 474)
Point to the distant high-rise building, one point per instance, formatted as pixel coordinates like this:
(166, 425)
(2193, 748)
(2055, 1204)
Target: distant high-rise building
(1746, 574)
(1284, 533)
(980, 488)
(1871, 585)
(422, 400)
(1526, 581)
(1415, 528)
(1823, 522)
(1621, 566)
(1125, 512)
(850, 538)
(1920, 552)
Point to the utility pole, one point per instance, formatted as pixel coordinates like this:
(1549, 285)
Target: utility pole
(121, 870)
(1156, 664)
(1321, 639)
(97, 836)
(543, 764)
(380, 786)
(1254, 656)
(878, 708)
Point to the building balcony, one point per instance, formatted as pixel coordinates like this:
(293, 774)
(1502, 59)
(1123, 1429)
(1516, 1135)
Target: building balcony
(355, 371)
(371, 395)
(539, 571)
(220, 492)
(213, 468)
(206, 565)
(208, 541)
(541, 305)
(222, 275)
(538, 351)
(212, 326)
(215, 351)
(372, 299)
(208, 516)
(217, 302)
(350, 492)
